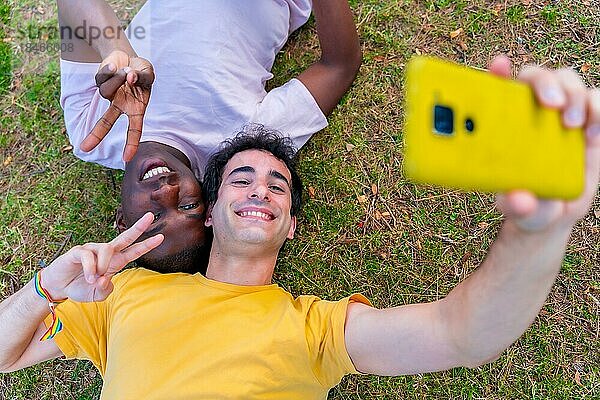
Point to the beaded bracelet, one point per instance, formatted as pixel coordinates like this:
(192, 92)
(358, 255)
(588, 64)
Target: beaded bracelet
(56, 323)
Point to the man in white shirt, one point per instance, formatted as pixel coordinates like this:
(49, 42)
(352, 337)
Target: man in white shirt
(211, 60)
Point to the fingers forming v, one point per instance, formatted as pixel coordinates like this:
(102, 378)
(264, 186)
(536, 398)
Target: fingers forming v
(101, 129)
(127, 237)
(137, 250)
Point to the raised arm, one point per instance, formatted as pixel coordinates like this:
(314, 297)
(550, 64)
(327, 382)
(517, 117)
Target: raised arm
(82, 274)
(123, 78)
(490, 309)
(330, 77)
(99, 39)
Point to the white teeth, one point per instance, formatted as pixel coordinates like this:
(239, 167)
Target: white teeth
(255, 214)
(155, 171)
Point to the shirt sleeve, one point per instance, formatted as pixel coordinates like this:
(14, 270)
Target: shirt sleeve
(326, 340)
(299, 13)
(84, 331)
(292, 110)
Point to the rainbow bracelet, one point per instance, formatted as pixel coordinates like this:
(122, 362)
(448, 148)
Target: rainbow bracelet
(56, 323)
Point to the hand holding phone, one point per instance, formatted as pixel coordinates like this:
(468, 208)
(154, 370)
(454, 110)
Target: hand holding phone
(472, 130)
(578, 107)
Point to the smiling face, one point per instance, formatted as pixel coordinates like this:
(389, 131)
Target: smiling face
(254, 202)
(159, 180)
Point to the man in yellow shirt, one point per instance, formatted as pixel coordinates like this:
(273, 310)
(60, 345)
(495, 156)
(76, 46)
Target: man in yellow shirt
(232, 334)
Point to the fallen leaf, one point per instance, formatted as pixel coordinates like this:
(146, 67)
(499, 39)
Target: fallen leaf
(465, 258)
(311, 191)
(482, 225)
(377, 215)
(418, 244)
(349, 147)
(417, 51)
(379, 58)
(374, 189)
(362, 198)
(585, 67)
(386, 214)
(463, 45)
(456, 33)
(578, 378)
(7, 161)
(66, 148)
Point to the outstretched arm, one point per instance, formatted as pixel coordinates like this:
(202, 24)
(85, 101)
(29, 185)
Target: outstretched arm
(330, 77)
(82, 274)
(489, 310)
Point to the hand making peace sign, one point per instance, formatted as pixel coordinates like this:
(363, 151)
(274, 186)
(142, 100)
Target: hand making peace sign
(84, 273)
(125, 81)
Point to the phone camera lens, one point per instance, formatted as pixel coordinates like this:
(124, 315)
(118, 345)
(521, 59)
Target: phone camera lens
(443, 120)
(469, 125)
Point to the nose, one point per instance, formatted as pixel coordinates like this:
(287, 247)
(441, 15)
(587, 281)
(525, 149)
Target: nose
(259, 191)
(167, 192)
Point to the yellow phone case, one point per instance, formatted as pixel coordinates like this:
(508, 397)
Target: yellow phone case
(500, 138)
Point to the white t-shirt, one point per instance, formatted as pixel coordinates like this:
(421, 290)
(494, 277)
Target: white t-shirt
(211, 59)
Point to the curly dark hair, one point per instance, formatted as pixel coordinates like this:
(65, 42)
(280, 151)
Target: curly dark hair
(253, 137)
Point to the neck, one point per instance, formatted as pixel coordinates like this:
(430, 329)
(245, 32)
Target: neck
(241, 269)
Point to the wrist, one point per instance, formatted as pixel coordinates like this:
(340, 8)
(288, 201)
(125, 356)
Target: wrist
(42, 292)
(43, 286)
(112, 49)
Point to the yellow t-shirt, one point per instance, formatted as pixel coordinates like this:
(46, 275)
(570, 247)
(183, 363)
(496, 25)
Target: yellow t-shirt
(179, 336)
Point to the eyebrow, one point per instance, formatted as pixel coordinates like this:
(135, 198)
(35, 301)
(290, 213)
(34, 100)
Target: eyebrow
(278, 175)
(247, 168)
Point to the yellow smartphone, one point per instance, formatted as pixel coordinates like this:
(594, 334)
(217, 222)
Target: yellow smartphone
(471, 130)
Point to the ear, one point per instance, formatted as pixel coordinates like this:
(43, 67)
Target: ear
(119, 220)
(292, 228)
(208, 217)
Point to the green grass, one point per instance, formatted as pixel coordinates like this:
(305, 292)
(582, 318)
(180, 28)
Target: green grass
(516, 14)
(430, 240)
(5, 50)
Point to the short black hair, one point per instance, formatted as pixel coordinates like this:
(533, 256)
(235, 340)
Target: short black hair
(253, 137)
(190, 260)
